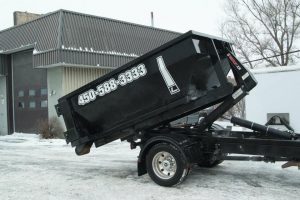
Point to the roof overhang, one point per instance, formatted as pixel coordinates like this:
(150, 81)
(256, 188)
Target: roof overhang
(16, 50)
(73, 65)
(63, 57)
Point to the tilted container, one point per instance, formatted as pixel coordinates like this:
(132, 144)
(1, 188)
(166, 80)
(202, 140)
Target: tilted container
(182, 76)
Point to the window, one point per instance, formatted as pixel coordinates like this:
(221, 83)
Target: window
(44, 91)
(44, 104)
(31, 92)
(21, 93)
(32, 104)
(21, 104)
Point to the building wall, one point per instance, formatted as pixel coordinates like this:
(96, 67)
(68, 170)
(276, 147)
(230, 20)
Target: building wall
(3, 106)
(74, 78)
(276, 92)
(63, 80)
(55, 88)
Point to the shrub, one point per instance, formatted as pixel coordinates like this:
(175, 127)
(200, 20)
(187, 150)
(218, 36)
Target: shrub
(50, 129)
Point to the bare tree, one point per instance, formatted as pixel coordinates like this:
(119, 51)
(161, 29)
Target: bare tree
(262, 29)
(238, 110)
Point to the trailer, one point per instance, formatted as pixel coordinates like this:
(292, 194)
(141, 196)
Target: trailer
(139, 102)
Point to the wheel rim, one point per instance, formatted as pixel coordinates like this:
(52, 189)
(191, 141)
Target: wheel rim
(164, 165)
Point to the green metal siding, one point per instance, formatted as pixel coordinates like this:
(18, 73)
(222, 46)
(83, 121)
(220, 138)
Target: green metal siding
(3, 65)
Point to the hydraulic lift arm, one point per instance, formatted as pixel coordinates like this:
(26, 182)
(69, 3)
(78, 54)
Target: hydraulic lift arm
(245, 82)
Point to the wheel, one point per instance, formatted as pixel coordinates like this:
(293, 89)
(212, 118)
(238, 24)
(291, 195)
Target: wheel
(166, 165)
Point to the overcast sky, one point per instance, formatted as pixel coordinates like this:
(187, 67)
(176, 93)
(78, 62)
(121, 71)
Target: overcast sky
(177, 15)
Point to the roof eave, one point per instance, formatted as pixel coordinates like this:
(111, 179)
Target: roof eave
(73, 65)
(15, 50)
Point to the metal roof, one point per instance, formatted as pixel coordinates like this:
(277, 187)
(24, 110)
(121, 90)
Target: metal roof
(42, 34)
(70, 38)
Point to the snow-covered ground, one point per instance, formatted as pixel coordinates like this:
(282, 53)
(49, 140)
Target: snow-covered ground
(31, 168)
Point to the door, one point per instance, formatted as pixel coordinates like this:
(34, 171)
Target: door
(29, 93)
(3, 106)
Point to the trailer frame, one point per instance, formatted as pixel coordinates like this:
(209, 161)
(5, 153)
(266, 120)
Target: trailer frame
(168, 151)
(200, 143)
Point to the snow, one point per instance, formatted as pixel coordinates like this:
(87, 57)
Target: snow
(91, 50)
(31, 168)
(35, 51)
(228, 124)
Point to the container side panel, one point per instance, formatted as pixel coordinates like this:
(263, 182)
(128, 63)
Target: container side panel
(182, 76)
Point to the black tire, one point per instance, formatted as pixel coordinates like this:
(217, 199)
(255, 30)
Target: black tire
(157, 175)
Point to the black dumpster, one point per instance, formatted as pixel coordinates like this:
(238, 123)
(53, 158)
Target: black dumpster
(182, 76)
